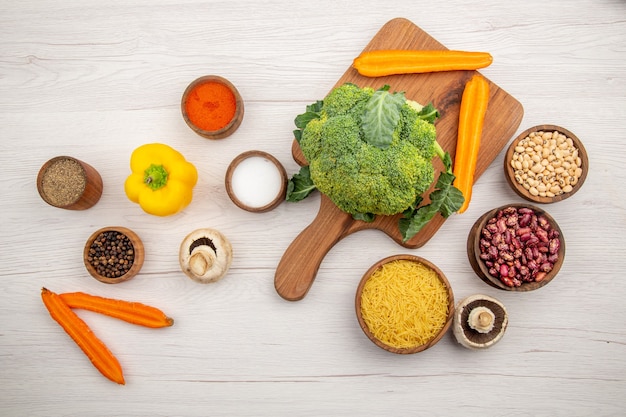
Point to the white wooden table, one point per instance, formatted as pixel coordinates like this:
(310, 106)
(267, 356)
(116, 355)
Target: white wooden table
(94, 80)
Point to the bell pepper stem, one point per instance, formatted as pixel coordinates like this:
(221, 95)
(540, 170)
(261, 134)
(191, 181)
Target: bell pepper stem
(155, 176)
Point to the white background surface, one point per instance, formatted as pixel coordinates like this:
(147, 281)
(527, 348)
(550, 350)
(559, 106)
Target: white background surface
(94, 80)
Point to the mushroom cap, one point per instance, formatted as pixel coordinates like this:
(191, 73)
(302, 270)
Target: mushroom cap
(205, 255)
(471, 338)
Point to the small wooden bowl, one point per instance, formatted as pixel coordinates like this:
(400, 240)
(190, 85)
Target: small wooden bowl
(138, 255)
(482, 270)
(246, 204)
(516, 174)
(86, 186)
(234, 123)
(414, 349)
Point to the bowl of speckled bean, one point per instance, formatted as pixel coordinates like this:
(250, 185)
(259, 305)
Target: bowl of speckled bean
(516, 247)
(546, 164)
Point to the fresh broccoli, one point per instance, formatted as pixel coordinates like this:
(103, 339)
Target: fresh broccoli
(370, 151)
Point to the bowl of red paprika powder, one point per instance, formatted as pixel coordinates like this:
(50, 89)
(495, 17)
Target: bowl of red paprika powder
(212, 107)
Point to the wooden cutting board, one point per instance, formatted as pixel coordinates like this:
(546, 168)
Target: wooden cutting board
(299, 265)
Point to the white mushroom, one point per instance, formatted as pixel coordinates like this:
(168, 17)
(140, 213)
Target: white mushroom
(479, 321)
(205, 255)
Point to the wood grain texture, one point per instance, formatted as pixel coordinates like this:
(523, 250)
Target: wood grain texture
(295, 274)
(95, 80)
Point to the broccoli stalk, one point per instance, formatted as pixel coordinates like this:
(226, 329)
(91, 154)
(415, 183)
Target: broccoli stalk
(445, 199)
(440, 152)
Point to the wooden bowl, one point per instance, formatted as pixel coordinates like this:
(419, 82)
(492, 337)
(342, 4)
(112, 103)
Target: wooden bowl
(137, 255)
(234, 122)
(531, 185)
(488, 275)
(259, 176)
(69, 183)
(370, 334)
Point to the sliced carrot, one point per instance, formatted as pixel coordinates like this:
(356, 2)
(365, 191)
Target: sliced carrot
(383, 62)
(100, 356)
(132, 312)
(474, 103)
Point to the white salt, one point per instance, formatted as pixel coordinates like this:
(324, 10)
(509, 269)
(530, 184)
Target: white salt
(256, 181)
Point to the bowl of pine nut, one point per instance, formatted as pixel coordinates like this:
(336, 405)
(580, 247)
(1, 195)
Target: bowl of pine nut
(546, 164)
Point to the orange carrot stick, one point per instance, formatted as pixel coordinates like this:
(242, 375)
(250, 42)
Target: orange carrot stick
(77, 329)
(379, 63)
(132, 312)
(471, 119)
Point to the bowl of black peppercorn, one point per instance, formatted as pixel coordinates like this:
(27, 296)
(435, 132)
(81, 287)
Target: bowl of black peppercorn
(113, 254)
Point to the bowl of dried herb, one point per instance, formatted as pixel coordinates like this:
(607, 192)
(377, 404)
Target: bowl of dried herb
(69, 183)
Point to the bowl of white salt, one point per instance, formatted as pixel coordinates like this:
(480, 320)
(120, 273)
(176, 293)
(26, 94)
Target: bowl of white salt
(256, 181)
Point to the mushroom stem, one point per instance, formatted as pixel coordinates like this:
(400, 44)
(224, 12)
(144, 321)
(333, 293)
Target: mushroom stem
(200, 262)
(484, 319)
(481, 319)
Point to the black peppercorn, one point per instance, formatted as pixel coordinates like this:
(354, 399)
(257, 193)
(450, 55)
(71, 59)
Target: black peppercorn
(111, 254)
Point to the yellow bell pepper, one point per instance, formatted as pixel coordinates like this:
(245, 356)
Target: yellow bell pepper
(161, 181)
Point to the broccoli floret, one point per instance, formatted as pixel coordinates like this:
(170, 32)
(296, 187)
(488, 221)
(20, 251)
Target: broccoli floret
(347, 99)
(311, 139)
(419, 132)
(366, 177)
(360, 178)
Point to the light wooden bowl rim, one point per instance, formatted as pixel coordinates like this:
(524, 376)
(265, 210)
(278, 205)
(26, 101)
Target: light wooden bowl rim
(479, 267)
(228, 181)
(509, 172)
(138, 248)
(415, 349)
(235, 122)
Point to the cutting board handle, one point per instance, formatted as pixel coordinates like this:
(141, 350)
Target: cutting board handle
(299, 265)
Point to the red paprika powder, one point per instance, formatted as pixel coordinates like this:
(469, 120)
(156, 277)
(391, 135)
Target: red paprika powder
(210, 106)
